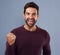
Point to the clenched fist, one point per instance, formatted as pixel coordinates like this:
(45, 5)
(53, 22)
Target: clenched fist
(11, 38)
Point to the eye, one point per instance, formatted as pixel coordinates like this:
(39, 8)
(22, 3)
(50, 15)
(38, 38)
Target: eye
(28, 13)
(34, 14)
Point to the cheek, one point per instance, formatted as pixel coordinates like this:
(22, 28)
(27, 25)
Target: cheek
(25, 17)
(36, 18)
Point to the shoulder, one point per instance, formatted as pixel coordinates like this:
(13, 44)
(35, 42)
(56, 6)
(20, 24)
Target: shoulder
(16, 30)
(42, 30)
(44, 33)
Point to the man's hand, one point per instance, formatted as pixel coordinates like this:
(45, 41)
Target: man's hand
(11, 38)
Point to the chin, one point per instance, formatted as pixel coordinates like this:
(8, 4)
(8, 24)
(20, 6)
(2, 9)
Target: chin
(30, 25)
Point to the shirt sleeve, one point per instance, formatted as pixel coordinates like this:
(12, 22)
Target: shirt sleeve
(10, 50)
(46, 47)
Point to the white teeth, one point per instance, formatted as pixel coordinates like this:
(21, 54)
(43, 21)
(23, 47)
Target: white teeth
(31, 20)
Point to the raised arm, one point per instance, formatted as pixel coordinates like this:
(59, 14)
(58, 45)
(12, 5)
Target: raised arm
(10, 44)
(11, 38)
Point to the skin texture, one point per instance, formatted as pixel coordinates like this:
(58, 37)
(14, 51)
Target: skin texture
(11, 38)
(30, 18)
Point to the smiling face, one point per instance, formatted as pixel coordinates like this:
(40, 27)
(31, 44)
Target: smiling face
(30, 16)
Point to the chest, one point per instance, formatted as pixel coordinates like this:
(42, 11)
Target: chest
(32, 40)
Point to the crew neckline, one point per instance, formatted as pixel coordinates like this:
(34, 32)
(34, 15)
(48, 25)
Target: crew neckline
(30, 31)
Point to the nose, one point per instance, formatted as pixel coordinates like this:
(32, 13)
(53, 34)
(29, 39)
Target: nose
(31, 16)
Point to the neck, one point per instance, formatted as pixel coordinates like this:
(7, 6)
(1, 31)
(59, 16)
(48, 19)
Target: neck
(30, 28)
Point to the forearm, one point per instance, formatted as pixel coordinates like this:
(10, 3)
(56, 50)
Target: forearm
(10, 50)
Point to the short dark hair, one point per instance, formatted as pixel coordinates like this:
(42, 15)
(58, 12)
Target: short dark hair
(31, 4)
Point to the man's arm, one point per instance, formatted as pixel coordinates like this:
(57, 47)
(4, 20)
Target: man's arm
(46, 47)
(11, 38)
(10, 44)
(10, 50)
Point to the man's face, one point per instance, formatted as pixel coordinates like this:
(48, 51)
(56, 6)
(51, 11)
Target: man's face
(31, 16)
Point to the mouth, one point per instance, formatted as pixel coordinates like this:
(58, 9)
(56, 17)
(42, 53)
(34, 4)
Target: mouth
(30, 22)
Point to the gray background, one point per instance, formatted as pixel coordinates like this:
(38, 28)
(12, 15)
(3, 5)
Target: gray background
(11, 16)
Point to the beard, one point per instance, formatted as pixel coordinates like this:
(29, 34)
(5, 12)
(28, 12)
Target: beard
(30, 22)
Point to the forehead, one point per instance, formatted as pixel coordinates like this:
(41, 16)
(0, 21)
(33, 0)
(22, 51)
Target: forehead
(31, 10)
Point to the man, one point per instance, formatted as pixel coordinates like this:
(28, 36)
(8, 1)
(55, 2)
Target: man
(28, 39)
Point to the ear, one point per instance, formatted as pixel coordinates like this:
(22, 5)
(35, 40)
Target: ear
(38, 16)
(24, 15)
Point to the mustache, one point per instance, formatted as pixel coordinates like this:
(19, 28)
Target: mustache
(30, 19)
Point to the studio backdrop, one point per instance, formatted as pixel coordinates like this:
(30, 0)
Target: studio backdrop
(11, 16)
